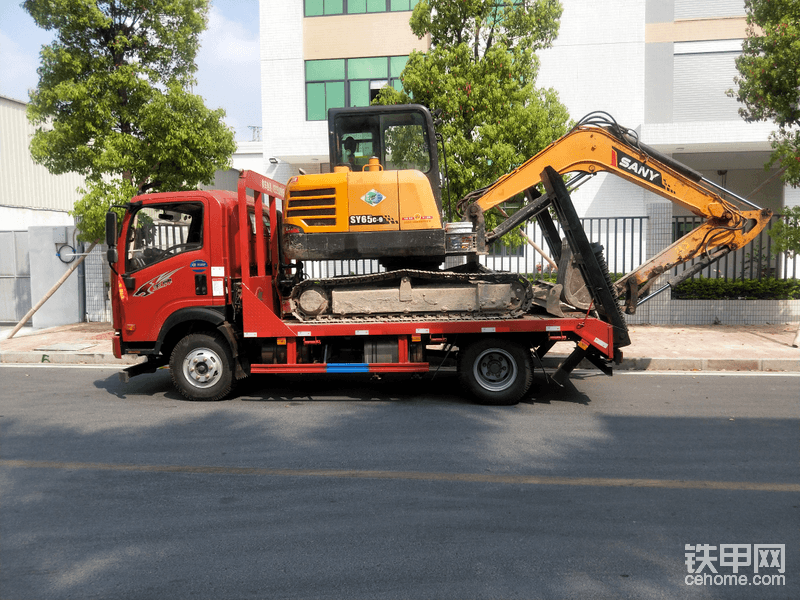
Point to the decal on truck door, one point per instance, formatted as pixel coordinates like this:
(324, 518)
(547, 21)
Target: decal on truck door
(156, 283)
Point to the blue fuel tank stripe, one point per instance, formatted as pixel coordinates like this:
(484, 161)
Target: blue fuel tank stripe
(347, 368)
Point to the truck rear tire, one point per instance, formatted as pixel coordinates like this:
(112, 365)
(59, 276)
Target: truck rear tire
(496, 371)
(202, 367)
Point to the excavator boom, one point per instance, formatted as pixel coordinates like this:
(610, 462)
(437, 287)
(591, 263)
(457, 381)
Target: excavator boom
(592, 149)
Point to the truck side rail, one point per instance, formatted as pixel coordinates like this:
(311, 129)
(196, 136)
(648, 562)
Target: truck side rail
(273, 190)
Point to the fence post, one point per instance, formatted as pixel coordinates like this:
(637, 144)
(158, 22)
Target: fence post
(659, 235)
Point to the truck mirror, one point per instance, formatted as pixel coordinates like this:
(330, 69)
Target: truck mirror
(112, 256)
(111, 229)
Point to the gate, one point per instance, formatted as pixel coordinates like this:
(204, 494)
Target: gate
(96, 278)
(15, 276)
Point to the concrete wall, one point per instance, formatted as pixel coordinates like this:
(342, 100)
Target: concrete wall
(720, 312)
(14, 218)
(47, 268)
(597, 62)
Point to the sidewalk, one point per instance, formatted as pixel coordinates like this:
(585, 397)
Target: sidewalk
(658, 348)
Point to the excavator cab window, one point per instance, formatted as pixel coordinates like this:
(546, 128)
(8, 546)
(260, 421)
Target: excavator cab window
(355, 149)
(401, 137)
(406, 146)
(399, 140)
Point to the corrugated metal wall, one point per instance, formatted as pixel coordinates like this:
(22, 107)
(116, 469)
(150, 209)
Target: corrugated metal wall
(708, 9)
(15, 276)
(699, 86)
(22, 182)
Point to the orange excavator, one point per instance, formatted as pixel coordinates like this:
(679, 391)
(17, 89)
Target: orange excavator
(383, 201)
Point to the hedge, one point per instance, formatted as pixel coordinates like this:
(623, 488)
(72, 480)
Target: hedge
(739, 289)
(725, 289)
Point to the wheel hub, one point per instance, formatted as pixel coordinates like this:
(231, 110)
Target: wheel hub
(495, 369)
(202, 367)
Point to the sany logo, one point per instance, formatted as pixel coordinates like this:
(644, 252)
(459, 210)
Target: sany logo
(156, 283)
(633, 166)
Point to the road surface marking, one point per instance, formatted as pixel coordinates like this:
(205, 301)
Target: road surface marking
(680, 484)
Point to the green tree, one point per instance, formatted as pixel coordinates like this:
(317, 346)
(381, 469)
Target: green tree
(769, 78)
(481, 72)
(114, 104)
(786, 232)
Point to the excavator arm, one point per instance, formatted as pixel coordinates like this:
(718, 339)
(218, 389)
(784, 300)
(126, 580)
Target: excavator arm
(591, 149)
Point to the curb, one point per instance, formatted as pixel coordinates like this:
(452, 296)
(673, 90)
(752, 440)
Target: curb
(550, 362)
(691, 364)
(66, 358)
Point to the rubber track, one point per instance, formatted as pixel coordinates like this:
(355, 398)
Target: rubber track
(447, 277)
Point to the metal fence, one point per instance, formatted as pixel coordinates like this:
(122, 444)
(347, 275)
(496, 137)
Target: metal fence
(96, 282)
(623, 239)
(757, 260)
(624, 242)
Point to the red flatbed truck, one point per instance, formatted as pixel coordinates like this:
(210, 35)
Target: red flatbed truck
(197, 282)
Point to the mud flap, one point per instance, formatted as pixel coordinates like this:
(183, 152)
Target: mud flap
(151, 365)
(573, 360)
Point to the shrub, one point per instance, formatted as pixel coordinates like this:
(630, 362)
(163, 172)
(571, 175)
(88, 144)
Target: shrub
(747, 289)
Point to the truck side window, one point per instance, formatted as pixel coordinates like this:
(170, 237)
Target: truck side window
(158, 232)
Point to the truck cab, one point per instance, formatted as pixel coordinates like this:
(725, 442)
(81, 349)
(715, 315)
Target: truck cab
(175, 260)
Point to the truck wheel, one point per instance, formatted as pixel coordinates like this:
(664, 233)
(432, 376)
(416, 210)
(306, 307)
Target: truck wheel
(496, 371)
(202, 367)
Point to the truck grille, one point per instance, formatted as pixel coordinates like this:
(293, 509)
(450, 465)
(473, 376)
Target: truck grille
(317, 208)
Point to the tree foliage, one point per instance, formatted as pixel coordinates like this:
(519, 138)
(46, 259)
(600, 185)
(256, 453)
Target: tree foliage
(114, 104)
(786, 232)
(769, 77)
(481, 72)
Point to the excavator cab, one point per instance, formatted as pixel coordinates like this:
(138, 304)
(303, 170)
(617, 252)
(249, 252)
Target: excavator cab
(401, 137)
(382, 200)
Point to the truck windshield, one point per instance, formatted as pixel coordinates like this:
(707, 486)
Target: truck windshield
(163, 230)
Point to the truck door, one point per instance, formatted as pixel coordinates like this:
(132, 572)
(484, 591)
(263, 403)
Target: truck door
(165, 260)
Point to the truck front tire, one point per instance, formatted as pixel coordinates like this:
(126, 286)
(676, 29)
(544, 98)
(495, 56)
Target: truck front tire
(202, 367)
(496, 371)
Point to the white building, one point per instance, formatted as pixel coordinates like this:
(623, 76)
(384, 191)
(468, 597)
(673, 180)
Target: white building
(661, 67)
(318, 54)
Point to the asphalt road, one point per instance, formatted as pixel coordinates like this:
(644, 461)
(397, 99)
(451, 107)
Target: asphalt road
(351, 488)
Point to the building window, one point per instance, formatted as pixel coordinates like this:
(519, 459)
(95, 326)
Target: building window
(337, 83)
(318, 8)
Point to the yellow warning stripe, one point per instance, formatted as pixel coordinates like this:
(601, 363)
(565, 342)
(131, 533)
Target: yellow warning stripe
(681, 484)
